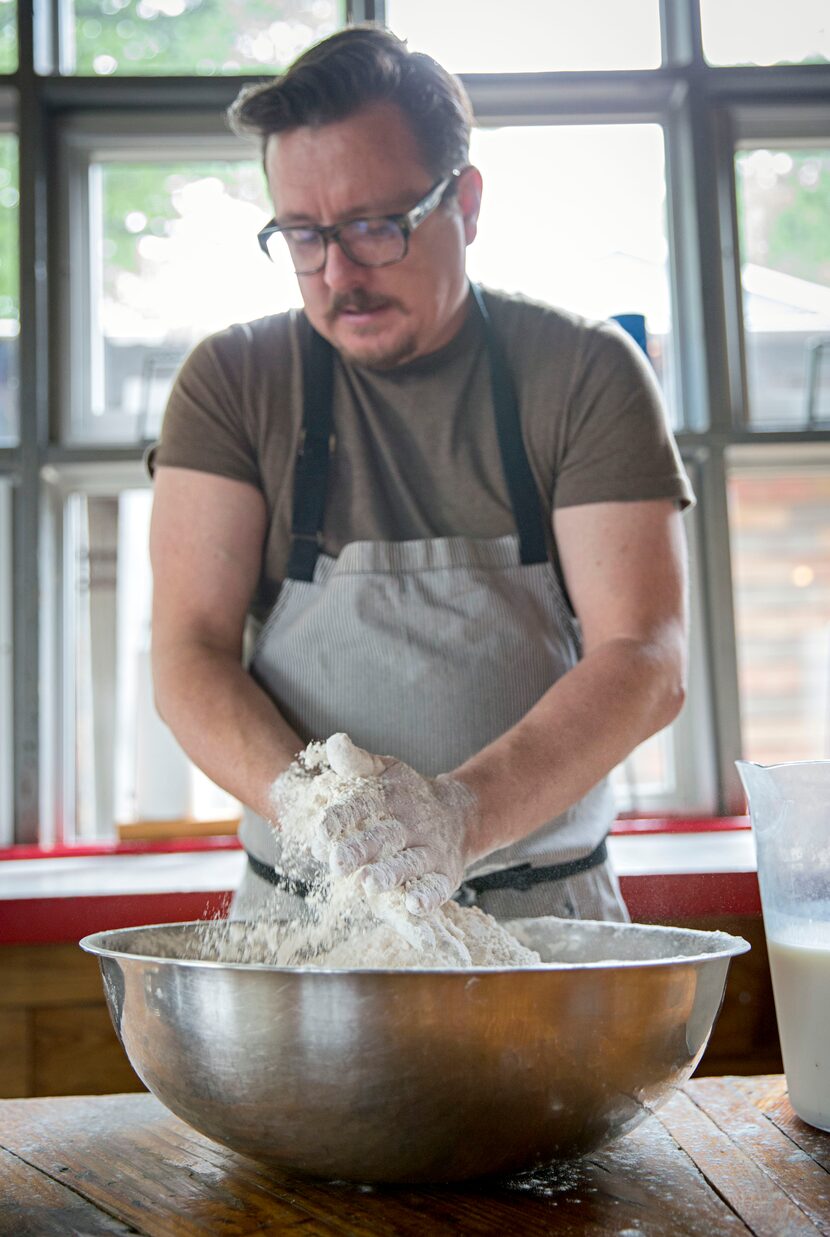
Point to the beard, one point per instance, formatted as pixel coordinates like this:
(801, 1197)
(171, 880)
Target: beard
(381, 361)
(374, 355)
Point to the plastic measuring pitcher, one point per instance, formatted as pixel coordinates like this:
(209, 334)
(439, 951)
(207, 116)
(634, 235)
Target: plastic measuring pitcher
(790, 809)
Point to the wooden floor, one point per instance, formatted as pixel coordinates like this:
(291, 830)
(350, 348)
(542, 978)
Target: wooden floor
(56, 1037)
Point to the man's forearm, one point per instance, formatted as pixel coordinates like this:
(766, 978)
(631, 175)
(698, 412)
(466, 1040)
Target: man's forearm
(227, 724)
(578, 731)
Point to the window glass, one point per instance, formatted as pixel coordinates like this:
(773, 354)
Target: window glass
(646, 778)
(6, 732)
(122, 763)
(765, 32)
(8, 36)
(104, 37)
(673, 771)
(783, 198)
(780, 538)
(173, 257)
(564, 220)
(531, 36)
(9, 290)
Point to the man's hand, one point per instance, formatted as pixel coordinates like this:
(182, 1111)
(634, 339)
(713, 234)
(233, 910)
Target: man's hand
(423, 840)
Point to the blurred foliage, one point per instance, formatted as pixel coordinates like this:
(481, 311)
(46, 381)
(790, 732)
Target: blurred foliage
(784, 211)
(9, 248)
(799, 235)
(157, 36)
(143, 200)
(8, 36)
(137, 200)
(196, 36)
(783, 200)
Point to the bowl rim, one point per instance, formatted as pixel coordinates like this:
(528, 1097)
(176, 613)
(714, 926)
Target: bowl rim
(730, 947)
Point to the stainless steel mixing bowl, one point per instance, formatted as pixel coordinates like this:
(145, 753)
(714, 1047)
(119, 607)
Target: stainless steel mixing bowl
(406, 1076)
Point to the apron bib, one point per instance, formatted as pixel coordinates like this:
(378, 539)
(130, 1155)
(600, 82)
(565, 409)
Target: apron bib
(427, 650)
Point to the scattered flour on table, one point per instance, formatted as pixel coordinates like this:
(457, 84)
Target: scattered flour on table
(342, 925)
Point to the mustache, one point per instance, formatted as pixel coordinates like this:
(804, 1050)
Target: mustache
(358, 301)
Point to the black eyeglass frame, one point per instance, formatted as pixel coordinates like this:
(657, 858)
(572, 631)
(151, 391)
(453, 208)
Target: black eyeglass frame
(407, 223)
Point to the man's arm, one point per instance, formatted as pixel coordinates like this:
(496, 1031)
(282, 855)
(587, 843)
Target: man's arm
(206, 541)
(625, 568)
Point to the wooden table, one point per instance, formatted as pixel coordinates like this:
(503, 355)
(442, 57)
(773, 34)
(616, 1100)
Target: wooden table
(724, 1156)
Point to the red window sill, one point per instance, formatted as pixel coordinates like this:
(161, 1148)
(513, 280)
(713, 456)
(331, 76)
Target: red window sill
(86, 850)
(46, 917)
(621, 828)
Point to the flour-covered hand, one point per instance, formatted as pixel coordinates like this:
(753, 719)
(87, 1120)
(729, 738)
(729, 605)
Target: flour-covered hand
(418, 839)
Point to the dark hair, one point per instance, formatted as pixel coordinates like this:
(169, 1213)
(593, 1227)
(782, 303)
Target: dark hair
(355, 67)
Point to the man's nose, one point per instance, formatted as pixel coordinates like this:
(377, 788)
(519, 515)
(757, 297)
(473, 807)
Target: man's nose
(339, 271)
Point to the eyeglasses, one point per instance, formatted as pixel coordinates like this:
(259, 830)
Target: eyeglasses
(379, 241)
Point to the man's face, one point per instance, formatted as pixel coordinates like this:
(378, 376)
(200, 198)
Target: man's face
(370, 165)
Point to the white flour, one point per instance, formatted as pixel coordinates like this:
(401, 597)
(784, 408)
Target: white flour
(343, 926)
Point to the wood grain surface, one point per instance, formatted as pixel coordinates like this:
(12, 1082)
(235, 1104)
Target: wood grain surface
(724, 1156)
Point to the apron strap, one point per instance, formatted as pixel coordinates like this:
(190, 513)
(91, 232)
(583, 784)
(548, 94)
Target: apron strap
(316, 446)
(266, 872)
(525, 876)
(522, 877)
(312, 463)
(524, 497)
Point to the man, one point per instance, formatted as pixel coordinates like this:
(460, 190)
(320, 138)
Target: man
(455, 514)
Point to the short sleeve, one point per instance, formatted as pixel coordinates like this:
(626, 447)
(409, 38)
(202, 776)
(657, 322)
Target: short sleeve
(204, 425)
(617, 445)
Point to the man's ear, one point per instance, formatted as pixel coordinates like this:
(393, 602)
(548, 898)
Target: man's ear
(468, 195)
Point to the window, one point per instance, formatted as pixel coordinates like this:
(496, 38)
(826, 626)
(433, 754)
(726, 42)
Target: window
(6, 732)
(105, 37)
(783, 203)
(764, 32)
(122, 769)
(780, 529)
(531, 36)
(547, 231)
(8, 36)
(674, 771)
(9, 295)
(169, 233)
(624, 175)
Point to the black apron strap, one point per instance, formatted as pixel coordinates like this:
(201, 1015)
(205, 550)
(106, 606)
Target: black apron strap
(311, 467)
(524, 497)
(525, 877)
(312, 464)
(300, 889)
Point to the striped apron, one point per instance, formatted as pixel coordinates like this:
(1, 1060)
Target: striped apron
(427, 650)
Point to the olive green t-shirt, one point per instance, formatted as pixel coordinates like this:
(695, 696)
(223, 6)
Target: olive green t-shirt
(416, 451)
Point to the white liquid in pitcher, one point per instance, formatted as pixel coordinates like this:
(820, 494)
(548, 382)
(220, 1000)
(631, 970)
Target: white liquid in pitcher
(800, 965)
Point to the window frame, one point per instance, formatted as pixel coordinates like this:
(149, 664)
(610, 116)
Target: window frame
(8, 126)
(58, 733)
(693, 754)
(756, 459)
(752, 127)
(8, 478)
(659, 110)
(704, 110)
(87, 142)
